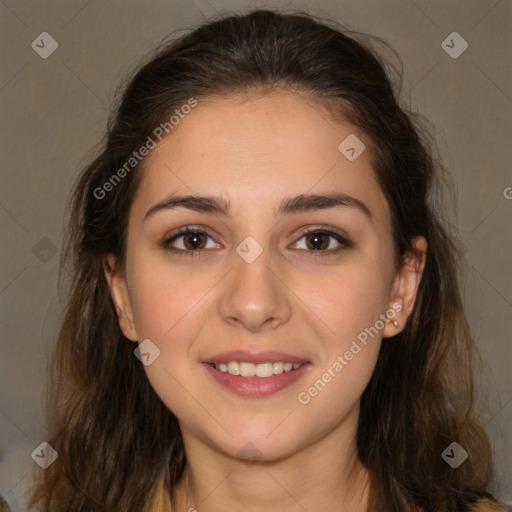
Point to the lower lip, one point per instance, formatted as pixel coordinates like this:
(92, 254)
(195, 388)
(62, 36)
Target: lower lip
(257, 386)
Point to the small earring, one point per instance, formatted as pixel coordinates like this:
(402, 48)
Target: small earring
(395, 323)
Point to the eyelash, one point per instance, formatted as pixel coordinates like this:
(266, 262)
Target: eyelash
(344, 242)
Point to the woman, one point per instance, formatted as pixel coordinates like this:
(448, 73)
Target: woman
(262, 225)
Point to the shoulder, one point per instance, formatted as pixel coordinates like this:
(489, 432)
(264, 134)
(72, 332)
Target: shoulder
(488, 506)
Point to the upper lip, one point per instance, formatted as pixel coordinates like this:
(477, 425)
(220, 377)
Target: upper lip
(254, 357)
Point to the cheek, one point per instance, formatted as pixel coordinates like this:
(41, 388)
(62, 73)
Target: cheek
(334, 392)
(347, 306)
(346, 301)
(166, 301)
(170, 308)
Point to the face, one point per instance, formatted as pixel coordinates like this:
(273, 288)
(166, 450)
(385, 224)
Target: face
(288, 259)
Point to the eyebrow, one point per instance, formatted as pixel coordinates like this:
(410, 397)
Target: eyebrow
(297, 204)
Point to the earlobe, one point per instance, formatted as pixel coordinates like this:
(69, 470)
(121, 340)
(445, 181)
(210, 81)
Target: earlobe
(120, 297)
(405, 288)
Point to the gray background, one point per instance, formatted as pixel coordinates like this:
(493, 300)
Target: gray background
(54, 110)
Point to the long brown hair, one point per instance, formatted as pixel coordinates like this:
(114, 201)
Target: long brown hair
(114, 436)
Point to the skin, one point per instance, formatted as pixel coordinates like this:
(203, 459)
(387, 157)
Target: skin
(256, 150)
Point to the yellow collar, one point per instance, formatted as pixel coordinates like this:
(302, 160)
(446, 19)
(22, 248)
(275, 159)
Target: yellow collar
(161, 499)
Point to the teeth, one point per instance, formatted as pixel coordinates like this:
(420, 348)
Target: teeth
(278, 368)
(256, 370)
(247, 370)
(233, 368)
(264, 370)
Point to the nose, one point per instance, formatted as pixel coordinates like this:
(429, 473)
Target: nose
(255, 296)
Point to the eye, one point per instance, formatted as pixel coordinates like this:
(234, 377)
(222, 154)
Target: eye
(194, 240)
(190, 239)
(324, 240)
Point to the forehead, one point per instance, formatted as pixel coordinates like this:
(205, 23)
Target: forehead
(256, 149)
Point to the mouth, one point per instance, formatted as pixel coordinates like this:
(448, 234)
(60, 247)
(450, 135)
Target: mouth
(256, 375)
(260, 370)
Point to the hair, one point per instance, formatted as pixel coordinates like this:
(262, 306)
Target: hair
(115, 438)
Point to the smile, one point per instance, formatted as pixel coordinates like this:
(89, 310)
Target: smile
(261, 370)
(256, 380)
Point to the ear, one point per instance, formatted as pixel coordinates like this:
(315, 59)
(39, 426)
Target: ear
(405, 287)
(120, 297)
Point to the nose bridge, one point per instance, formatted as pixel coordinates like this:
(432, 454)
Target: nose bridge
(254, 296)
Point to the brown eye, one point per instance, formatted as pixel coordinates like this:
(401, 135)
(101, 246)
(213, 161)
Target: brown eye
(323, 240)
(194, 241)
(190, 240)
(317, 241)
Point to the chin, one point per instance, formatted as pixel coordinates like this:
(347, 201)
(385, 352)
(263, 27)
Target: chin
(269, 444)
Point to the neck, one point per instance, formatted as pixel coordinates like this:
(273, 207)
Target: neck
(326, 475)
